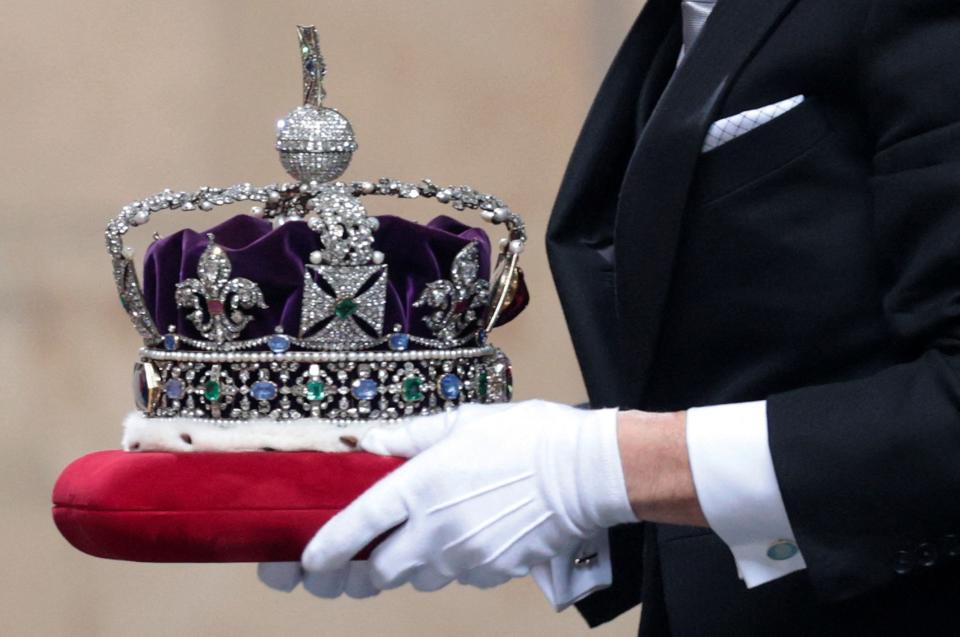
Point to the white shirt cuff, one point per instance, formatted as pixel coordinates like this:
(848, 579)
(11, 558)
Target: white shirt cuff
(563, 582)
(737, 488)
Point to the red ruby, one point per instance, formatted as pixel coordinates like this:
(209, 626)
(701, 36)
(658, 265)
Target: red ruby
(215, 307)
(461, 306)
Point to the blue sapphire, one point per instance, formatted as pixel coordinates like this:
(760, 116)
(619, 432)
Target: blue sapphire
(170, 342)
(278, 343)
(449, 386)
(141, 393)
(263, 390)
(398, 342)
(174, 389)
(311, 66)
(364, 389)
(481, 337)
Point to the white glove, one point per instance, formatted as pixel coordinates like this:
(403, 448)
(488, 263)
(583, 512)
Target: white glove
(352, 580)
(490, 491)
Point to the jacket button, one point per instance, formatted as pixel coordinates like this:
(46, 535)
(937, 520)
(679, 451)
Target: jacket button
(927, 554)
(904, 562)
(951, 545)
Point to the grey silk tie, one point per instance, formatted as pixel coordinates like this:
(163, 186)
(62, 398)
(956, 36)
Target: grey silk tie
(694, 14)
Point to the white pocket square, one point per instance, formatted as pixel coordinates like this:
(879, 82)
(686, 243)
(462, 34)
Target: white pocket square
(728, 128)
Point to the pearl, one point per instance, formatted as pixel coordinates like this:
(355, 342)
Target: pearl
(256, 211)
(206, 205)
(487, 215)
(378, 257)
(373, 223)
(316, 257)
(273, 196)
(516, 246)
(367, 187)
(500, 215)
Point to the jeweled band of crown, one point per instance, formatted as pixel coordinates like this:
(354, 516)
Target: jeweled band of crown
(343, 364)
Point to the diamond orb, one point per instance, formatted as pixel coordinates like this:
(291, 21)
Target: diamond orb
(315, 144)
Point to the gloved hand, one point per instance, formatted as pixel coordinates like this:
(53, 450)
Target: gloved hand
(352, 580)
(489, 492)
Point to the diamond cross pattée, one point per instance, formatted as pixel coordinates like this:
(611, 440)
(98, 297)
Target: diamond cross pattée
(347, 302)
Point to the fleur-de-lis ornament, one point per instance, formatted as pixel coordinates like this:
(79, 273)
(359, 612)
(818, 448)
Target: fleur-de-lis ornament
(457, 300)
(215, 299)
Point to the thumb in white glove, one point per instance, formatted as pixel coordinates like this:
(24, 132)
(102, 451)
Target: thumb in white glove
(490, 492)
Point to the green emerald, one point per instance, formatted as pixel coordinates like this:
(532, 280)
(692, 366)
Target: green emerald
(411, 389)
(211, 391)
(483, 385)
(345, 308)
(315, 390)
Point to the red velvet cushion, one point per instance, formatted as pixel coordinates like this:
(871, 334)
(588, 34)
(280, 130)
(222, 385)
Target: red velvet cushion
(207, 507)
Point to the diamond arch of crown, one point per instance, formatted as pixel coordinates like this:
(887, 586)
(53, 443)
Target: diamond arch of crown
(292, 201)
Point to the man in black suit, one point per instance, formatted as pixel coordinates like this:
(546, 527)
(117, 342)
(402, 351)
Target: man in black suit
(762, 216)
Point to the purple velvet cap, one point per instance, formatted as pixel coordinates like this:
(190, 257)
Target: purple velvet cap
(275, 258)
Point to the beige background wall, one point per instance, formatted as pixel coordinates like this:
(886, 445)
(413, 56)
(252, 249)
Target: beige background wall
(104, 102)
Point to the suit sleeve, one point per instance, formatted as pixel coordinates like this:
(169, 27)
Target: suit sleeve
(869, 469)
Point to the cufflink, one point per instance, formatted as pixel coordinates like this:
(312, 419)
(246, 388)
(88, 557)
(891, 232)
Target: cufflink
(782, 550)
(585, 561)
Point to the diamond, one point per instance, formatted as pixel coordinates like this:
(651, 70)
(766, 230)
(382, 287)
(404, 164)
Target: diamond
(278, 343)
(411, 389)
(449, 386)
(364, 389)
(263, 390)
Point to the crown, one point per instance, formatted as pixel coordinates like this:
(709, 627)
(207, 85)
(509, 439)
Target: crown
(309, 307)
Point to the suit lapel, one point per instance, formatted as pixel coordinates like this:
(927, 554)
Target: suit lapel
(580, 232)
(659, 174)
(609, 122)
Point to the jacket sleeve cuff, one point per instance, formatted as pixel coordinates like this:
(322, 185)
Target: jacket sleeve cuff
(737, 489)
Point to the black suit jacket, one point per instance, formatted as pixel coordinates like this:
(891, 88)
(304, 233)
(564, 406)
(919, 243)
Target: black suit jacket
(813, 262)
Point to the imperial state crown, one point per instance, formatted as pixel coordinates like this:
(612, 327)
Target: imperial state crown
(293, 328)
(309, 308)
